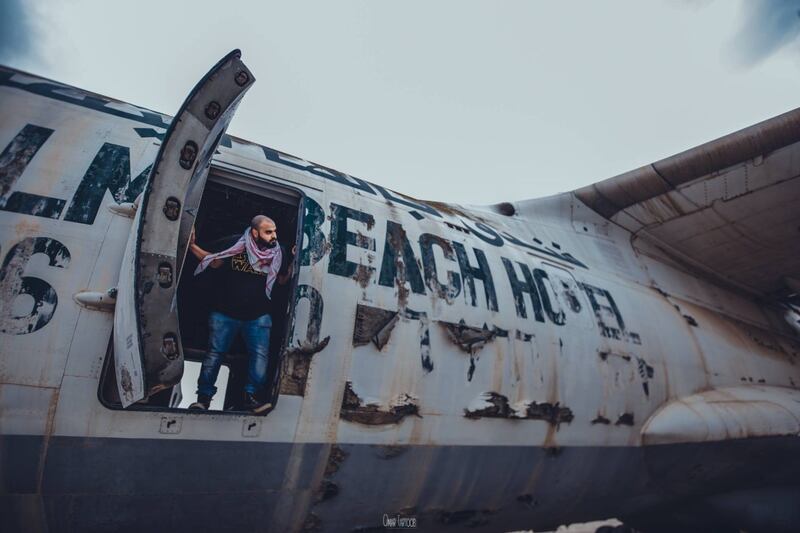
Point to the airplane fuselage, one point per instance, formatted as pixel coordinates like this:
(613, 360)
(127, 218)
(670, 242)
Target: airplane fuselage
(491, 367)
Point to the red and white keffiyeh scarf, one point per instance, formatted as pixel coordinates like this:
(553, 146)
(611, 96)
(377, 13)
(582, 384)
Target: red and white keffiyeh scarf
(267, 260)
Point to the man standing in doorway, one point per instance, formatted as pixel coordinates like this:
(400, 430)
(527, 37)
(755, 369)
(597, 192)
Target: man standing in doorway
(240, 302)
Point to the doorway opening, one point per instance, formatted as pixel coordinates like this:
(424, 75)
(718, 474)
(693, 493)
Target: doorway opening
(228, 204)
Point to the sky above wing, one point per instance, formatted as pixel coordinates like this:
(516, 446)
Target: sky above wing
(456, 100)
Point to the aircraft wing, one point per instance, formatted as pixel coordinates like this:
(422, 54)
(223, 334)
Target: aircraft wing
(729, 208)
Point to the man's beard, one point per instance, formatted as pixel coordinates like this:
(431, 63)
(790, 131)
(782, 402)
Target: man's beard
(266, 244)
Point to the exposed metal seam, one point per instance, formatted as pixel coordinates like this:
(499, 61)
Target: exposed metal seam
(733, 149)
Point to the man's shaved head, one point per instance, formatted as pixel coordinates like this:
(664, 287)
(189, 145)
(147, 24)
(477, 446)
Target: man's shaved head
(260, 219)
(264, 231)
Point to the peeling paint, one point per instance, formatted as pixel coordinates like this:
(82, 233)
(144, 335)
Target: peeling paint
(494, 405)
(14, 283)
(388, 451)
(354, 410)
(373, 325)
(569, 293)
(109, 171)
(314, 244)
(341, 238)
(481, 272)
(524, 337)
(327, 490)
(296, 365)
(399, 265)
(625, 419)
(489, 405)
(127, 383)
(469, 339)
(553, 414)
(447, 291)
(363, 275)
(297, 360)
(646, 372)
(521, 287)
(601, 420)
(609, 319)
(425, 349)
(424, 337)
(13, 162)
(335, 459)
(604, 355)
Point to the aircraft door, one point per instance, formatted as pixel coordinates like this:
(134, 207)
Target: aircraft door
(147, 343)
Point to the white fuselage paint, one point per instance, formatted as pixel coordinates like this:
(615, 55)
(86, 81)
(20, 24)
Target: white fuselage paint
(49, 378)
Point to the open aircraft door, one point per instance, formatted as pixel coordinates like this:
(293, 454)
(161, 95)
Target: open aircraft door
(148, 354)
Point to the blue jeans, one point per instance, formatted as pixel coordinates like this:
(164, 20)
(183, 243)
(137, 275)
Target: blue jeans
(222, 331)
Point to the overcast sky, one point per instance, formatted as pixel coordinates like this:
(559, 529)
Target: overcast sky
(463, 101)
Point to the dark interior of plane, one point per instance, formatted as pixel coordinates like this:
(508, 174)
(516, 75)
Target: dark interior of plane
(225, 211)
(224, 214)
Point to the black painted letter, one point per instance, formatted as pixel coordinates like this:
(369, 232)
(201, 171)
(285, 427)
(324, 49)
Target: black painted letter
(399, 263)
(470, 274)
(453, 286)
(341, 238)
(110, 170)
(13, 161)
(542, 282)
(520, 287)
(313, 240)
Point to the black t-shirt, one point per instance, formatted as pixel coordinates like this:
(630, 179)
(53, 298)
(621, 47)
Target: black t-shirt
(239, 291)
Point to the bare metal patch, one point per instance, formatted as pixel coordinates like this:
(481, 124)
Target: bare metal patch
(296, 364)
(354, 409)
(494, 405)
(373, 325)
(625, 419)
(552, 413)
(470, 340)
